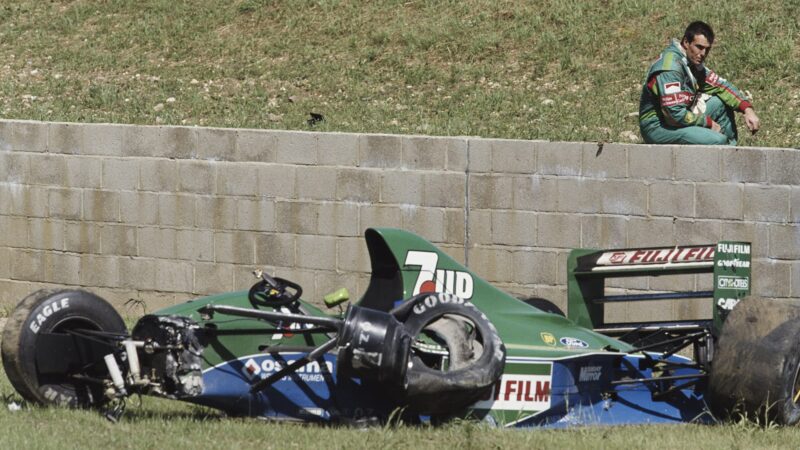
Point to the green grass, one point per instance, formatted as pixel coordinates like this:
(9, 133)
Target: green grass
(514, 69)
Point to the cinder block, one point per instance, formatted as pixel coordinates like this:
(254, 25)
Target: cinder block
(697, 164)
(604, 232)
(212, 278)
(61, 268)
(146, 141)
(101, 206)
(107, 140)
(580, 195)
(196, 177)
(316, 252)
(296, 217)
(379, 150)
(45, 234)
(137, 273)
(158, 175)
(28, 265)
(534, 193)
(119, 240)
(795, 204)
(174, 276)
(338, 219)
(237, 179)
(183, 142)
(444, 189)
(767, 203)
(650, 162)
(771, 278)
(454, 251)
(255, 215)
(671, 199)
(29, 136)
(624, 197)
(784, 241)
(426, 222)
(14, 231)
(64, 203)
(424, 153)
(218, 213)
(48, 170)
(30, 201)
(514, 228)
(610, 161)
(237, 248)
(783, 166)
(120, 174)
(718, 201)
(534, 267)
(194, 245)
(795, 279)
(675, 283)
(65, 138)
(494, 264)
(317, 183)
(479, 227)
(140, 208)
(305, 278)
(15, 168)
(457, 154)
(100, 271)
(215, 144)
(84, 172)
(5, 267)
(512, 156)
(255, 146)
(156, 242)
(296, 147)
(562, 158)
(337, 149)
(479, 155)
(327, 282)
(176, 210)
(744, 165)
(491, 191)
(278, 181)
(455, 223)
(276, 250)
(401, 186)
(358, 185)
(650, 232)
(690, 232)
(755, 233)
(379, 216)
(81, 237)
(558, 230)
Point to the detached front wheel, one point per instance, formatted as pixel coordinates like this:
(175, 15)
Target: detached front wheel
(44, 357)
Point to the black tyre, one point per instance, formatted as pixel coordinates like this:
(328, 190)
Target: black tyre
(543, 304)
(475, 354)
(37, 318)
(755, 367)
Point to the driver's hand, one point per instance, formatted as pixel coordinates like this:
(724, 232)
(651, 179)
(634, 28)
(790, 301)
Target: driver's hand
(751, 120)
(715, 127)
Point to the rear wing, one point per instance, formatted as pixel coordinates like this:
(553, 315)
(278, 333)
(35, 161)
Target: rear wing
(588, 269)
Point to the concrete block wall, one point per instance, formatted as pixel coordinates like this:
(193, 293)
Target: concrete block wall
(163, 214)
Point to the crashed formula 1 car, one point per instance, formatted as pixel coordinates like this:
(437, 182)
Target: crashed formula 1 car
(429, 340)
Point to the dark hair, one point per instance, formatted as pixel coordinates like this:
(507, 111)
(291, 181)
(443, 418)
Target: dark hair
(698, 27)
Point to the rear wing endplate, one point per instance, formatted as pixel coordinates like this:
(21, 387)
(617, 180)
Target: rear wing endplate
(588, 269)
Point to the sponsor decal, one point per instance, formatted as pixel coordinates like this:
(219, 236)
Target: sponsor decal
(739, 283)
(47, 311)
(433, 300)
(548, 338)
(572, 342)
(712, 77)
(433, 279)
(672, 88)
(681, 98)
(518, 393)
(741, 249)
(311, 372)
(292, 326)
(657, 256)
(734, 263)
(727, 303)
(590, 373)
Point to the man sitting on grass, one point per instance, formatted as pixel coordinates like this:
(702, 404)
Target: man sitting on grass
(684, 102)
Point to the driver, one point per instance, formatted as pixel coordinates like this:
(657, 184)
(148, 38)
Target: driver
(685, 102)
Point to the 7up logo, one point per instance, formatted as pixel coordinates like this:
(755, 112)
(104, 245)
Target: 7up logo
(433, 279)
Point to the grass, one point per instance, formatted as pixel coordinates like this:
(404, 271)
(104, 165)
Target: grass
(513, 69)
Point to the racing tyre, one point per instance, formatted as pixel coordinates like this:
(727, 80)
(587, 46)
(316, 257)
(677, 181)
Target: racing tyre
(543, 304)
(457, 355)
(755, 370)
(41, 316)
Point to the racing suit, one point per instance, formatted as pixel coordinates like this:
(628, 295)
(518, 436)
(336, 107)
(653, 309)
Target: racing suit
(678, 103)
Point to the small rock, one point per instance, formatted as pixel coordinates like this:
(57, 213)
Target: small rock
(274, 117)
(14, 407)
(629, 135)
(548, 101)
(158, 107)
(171, 100)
